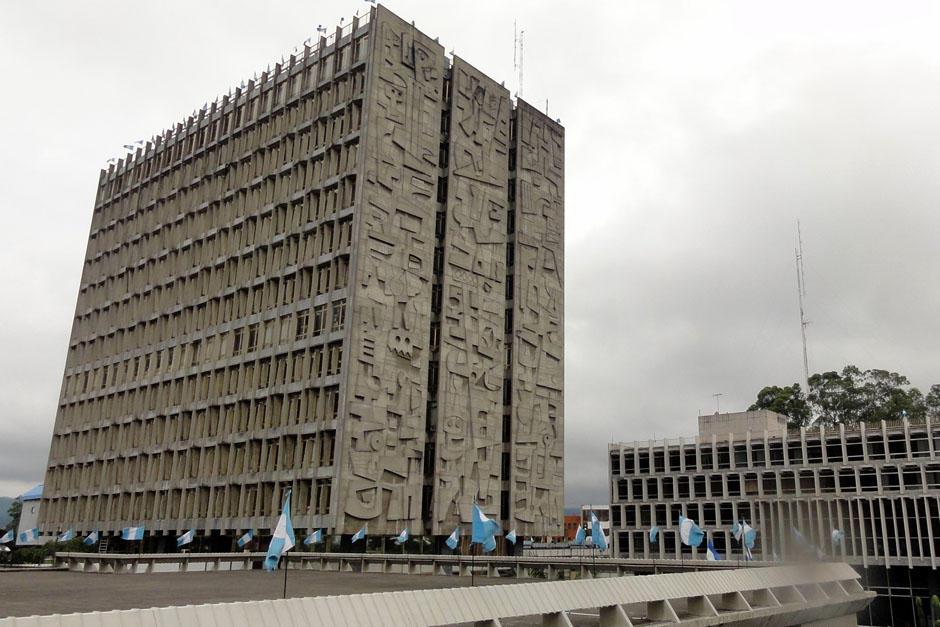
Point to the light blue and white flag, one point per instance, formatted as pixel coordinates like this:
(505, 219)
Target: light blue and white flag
(483, 530)
(132, 533)
(654, 534)
(7, 537)
(598, 538)
(402, 537)
(91, 538)
(186, 538)
(245, 539)
(511, 536)
(314, 538)
(65, 537)
(283, 539)
(579, 536)
(749, 536)
(838, 536)
(711, 554)
(360, 535)
(30, 535)
(736, 531)
(453, 539)
(690, 533)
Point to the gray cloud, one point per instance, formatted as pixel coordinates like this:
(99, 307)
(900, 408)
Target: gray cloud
(696, 136)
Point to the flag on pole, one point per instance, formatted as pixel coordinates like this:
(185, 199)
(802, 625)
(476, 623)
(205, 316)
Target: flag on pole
(736, 531)
(654, 534)
(360, 535)
(711, 554)
(314, 538)
(749, 535)
(690, 533)
(245, 539)
(65, 537)
(7, 537)
(511, 536)
(186, 538)
(838, 536)
(453, 539)
(483, 530)
(283, 539)
(402, 537)
(579, 537)
(132, 533)
(30, 535)
(91, 538)
(597, 533)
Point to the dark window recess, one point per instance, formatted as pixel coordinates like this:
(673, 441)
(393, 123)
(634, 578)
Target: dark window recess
(512, 157)
(432, 380)
(438, 260)
(508, 328)
(509, 287)
(442, 156)
(507, 431)
(507, 392)
(427, 502)
(614, 457)
(504, 505)
(436, 298)
(440, 223)
(429, 459)
(504, 470)
(442, 189)
(510, 254)
(511, 222)
(511, 191)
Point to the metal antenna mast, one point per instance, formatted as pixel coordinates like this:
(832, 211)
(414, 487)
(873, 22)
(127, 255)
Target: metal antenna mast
(517, 56)
(801, 293)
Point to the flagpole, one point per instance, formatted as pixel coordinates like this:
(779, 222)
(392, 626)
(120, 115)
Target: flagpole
(285, 575)
(471, 562)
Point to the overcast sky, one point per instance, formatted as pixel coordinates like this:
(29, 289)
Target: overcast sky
(697, 134)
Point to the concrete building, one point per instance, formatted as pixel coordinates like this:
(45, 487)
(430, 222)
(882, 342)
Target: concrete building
(29, 516)
(879, 484)
(344, 277)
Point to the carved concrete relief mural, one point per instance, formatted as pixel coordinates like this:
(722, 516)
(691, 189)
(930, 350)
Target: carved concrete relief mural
(472, 362)
(537, 487)
(381, 475)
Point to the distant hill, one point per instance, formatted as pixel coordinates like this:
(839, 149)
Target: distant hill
(4, 506)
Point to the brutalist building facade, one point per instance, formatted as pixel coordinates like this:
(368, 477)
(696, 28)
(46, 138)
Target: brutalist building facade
(345, 277)
(877, 483)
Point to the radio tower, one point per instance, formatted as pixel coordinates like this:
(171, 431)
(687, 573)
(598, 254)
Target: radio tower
(801, 293)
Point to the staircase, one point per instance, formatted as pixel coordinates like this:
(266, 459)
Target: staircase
(103, 545)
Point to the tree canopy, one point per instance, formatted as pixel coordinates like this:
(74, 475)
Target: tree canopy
(850, 397)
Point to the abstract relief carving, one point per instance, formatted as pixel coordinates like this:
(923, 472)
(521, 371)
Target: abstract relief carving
(538, 348)
(382, 474)
(470, 403)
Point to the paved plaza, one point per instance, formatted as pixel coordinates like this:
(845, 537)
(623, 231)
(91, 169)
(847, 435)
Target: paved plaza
(63, 592)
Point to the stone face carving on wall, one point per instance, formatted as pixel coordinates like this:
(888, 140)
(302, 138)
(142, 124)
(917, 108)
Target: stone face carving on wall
(537, 486)
(381, 476)
(472, 361)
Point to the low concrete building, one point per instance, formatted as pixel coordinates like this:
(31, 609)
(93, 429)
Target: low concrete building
(29, 516)
(879, 484)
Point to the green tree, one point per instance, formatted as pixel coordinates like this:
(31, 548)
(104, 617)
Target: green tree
(849, 397)
(16, 508)
(788, 400)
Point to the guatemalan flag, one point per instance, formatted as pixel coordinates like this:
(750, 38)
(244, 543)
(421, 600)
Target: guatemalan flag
(597, 533)
(579, 536)
(91, 538)
(7, 537)
(654, 533)
(283, 539)
(65, 537)
(30, 535)
(132, 533)
(711, 554)
(245, 539)
(402, 537)
(360, 535)
(511, 536)
(483, 530)
(314, 538)
(689, 532)
(749, 534)
(186, 538)
(453, 539)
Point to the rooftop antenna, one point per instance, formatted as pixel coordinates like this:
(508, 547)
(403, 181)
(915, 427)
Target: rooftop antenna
(517, 56)
(801, 294)
(717, 396)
